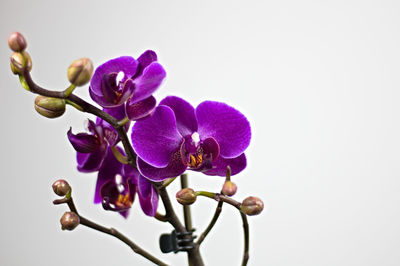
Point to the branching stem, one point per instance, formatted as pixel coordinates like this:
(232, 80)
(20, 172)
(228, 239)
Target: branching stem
(110, 231)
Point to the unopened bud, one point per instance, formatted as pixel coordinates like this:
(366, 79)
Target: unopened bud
(16, 42)
(61, 187)
(80, 71)
(49, 107)
(186, 196)
(69, 221)
(252, 206)
(19, 61)
(229, 188)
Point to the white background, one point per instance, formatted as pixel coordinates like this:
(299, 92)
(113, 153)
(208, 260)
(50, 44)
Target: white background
(318, 80)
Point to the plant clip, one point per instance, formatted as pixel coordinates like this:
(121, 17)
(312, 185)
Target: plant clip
(177, 242)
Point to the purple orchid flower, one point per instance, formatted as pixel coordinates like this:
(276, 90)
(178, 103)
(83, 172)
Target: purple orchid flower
(117, 185)
(91, 148)
(177, 137)
(129, 82)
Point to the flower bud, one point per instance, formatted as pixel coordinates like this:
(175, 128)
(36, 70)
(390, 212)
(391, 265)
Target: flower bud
(80, 71)
(19, 61)
(186, 196)
(16, 42)
(61, 187)
(252, 206)
(69, 221)
(49, 107)
(229, 188)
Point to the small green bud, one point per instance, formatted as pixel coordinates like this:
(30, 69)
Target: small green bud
(49, 107)
(252, 206)
(186, 196)
(19, 61)
(16, 42)
(229, 188)
(69, 221)
(61, 187)
(80, 71)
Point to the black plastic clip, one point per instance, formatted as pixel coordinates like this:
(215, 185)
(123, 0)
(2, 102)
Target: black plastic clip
(177, 242)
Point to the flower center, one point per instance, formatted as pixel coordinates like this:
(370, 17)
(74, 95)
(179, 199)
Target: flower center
(112, 86)
(124, 201)
(195, 160)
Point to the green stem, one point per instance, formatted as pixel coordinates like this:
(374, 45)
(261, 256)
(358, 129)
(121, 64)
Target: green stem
(69, 90)
(118, 155)
(168, 182)
(123, 121)
(207, 194)
(24, 83)
(74, 105)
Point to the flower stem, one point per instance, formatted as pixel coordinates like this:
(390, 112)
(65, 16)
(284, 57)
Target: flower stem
(207, 194)
(110, 231)
(194, 254)
(246, 239)
(186, 208)
(167, 182)
(222, 198)
(160, 217)
(69, 90)
(118, 155)
(74, 105)
(123, 121)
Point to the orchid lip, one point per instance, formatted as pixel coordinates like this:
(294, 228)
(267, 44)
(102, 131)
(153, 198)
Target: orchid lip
(117, 195)
(198, 155)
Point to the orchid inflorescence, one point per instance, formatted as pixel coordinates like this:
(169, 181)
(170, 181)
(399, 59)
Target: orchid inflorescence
(166, 140)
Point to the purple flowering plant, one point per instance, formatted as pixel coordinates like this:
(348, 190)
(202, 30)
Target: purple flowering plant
(166, 140)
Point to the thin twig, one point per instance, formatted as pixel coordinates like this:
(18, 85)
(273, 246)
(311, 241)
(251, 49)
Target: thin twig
(170, 214)
(222, 198)
(110, 231)
(167, 182)
(246, 239)
(160, 217)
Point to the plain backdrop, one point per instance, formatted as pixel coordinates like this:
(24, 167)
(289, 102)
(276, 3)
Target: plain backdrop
(318, 81)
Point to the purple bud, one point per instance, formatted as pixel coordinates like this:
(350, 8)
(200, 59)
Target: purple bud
(252, 206)
(61, 187)
(49, 107)
(186, 196)
(80, 71)
(69, 221)
(229, 188)
(16, 42)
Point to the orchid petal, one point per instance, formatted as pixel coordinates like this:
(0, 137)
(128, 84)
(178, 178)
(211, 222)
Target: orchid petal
(139, 110)
(147, 83)
(110, 168)
(83, 142)
(126, 64)
(147, 58)
(186, 121)
(90, 162)
(156, 137)
(227, 125)
(219, 166)
(175, 168)
(148, 196)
